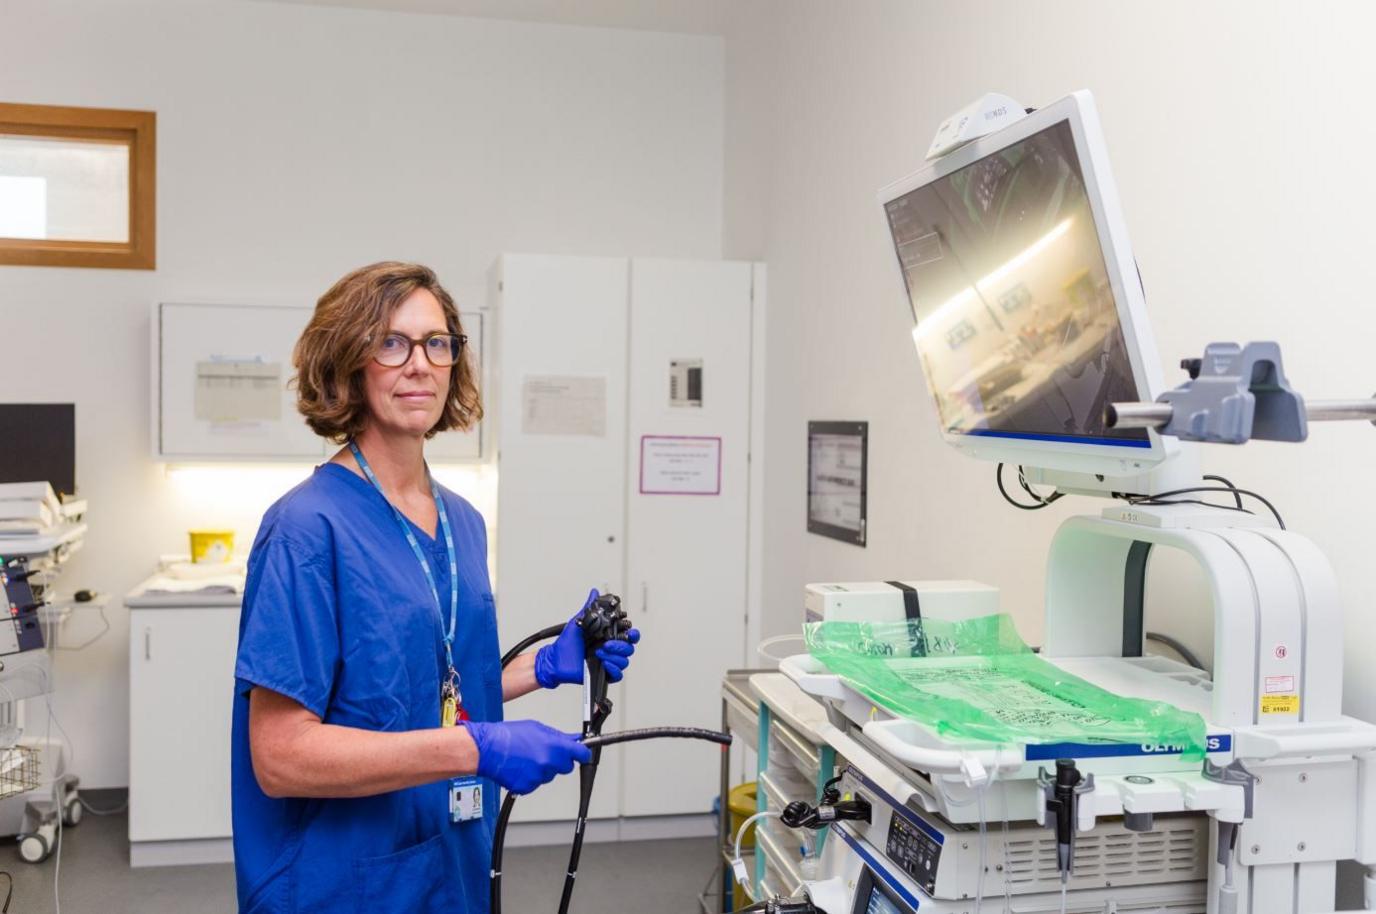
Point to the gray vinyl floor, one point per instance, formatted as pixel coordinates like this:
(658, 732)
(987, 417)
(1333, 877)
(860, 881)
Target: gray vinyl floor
(95, 877)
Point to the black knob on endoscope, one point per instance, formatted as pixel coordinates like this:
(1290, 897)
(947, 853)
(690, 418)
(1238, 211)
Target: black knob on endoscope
(603, 620)
(1193, 366)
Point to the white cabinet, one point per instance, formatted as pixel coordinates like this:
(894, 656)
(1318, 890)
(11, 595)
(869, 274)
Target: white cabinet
(561, 495)
(221, 390)
(592, 354)
(685, 554)
(181, 670)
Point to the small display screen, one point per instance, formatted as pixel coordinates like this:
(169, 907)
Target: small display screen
(1017, 324)
(879, 903)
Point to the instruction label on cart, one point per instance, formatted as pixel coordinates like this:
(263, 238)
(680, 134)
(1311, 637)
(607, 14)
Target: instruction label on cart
(1280, 704)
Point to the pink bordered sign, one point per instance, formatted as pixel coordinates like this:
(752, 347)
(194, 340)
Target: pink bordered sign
(680, 465)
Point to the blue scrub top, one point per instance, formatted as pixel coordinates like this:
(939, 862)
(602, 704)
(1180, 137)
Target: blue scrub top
(337, 615)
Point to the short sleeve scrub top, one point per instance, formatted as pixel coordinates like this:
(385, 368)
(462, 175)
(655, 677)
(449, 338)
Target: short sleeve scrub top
(338, 616)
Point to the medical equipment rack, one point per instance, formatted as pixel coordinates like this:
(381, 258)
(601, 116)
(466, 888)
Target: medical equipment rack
(794, 760)
(32, 814)
(740, 711)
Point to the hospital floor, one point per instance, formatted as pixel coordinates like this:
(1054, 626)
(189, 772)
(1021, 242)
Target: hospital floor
(96, 877)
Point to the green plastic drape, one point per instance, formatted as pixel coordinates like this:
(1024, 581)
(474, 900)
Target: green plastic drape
(978, 680)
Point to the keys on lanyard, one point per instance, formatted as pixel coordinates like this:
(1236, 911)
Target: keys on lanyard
(451, 699)
(451, 702)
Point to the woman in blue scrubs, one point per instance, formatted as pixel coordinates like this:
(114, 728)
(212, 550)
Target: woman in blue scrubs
(368, 734)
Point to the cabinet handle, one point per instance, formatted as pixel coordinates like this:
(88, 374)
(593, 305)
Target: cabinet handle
(147, 642)
(644, 597)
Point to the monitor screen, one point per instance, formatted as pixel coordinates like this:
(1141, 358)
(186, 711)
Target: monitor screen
(879, 903)
(38, 443)
(1016, 321)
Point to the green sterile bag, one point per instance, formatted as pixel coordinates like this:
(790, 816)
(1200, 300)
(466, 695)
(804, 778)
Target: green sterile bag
(977, 680)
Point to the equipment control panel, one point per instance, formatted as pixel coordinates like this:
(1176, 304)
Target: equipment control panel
(20, 630)
(914, 851)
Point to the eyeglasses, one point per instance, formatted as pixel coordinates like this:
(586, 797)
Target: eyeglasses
(441, 349)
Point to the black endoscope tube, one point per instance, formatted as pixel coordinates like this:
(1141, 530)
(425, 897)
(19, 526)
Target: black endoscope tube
(498, 842)
(595, 714)
(635, 736)
(587, 775)
(596, 742)
(494, 875)
(520, 649)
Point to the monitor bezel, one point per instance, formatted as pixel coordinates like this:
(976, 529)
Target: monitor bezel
(1077, 456)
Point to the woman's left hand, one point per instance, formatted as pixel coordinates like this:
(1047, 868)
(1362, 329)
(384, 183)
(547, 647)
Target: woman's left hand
(561, 662)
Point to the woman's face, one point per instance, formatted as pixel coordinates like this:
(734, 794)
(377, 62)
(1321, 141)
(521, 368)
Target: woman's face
(408, 399)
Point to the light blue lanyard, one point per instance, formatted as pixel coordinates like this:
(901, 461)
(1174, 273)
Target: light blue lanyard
(420, 554)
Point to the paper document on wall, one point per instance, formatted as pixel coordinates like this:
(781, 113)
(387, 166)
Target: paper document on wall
(679, 465)
(238, 390)
(564, 405)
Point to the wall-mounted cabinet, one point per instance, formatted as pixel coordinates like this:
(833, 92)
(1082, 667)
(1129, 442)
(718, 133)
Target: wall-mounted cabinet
(220, 386)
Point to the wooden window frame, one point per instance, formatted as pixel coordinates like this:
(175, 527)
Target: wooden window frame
(137, 130)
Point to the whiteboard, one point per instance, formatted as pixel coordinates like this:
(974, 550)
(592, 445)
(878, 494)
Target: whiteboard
(220, 386)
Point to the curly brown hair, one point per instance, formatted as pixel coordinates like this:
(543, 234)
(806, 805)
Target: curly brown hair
(339, 341)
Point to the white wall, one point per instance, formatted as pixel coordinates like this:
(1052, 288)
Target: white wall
(1242, 143)
(295, 143)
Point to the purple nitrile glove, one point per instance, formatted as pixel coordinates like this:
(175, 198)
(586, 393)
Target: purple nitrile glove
(520, 755)
(561, 661)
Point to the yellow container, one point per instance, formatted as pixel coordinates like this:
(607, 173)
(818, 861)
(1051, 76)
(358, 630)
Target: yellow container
(211, 546)
(741, 805)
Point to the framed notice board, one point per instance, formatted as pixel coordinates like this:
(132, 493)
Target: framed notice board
(837, 464)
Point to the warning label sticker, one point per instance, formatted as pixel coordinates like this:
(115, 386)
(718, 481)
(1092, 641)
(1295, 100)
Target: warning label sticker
(1280, 704)
(1280, 685)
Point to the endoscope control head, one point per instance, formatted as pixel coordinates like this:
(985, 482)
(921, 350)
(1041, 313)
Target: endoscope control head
(603, 620)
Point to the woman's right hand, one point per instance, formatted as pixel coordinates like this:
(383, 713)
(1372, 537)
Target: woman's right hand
(521, 755)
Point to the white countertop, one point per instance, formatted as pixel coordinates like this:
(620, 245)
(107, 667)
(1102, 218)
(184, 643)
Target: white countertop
(140, 598)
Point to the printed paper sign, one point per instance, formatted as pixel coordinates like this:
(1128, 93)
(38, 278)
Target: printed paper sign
(676, 465)
(564, 405)
(238, 390)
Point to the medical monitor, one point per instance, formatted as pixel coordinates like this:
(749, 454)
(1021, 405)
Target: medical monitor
(1028, 311)
(874, 896)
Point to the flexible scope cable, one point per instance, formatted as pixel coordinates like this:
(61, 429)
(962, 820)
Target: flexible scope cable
(595, 743)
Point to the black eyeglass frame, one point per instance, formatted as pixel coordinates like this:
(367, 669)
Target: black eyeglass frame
(411, 345)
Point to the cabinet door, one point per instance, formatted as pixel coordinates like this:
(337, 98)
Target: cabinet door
(561, 486)
(181, 671)
(686, 553)
(458, 446)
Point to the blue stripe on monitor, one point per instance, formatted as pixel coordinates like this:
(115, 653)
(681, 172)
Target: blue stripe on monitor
(1064, 439)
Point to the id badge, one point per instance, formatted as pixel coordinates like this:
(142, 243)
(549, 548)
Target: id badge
(465, 799)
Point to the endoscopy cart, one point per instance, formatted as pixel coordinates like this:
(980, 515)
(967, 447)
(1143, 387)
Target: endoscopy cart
(35, 786)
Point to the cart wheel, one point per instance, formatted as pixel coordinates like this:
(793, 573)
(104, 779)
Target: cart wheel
(33, 848)
(71, 813)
